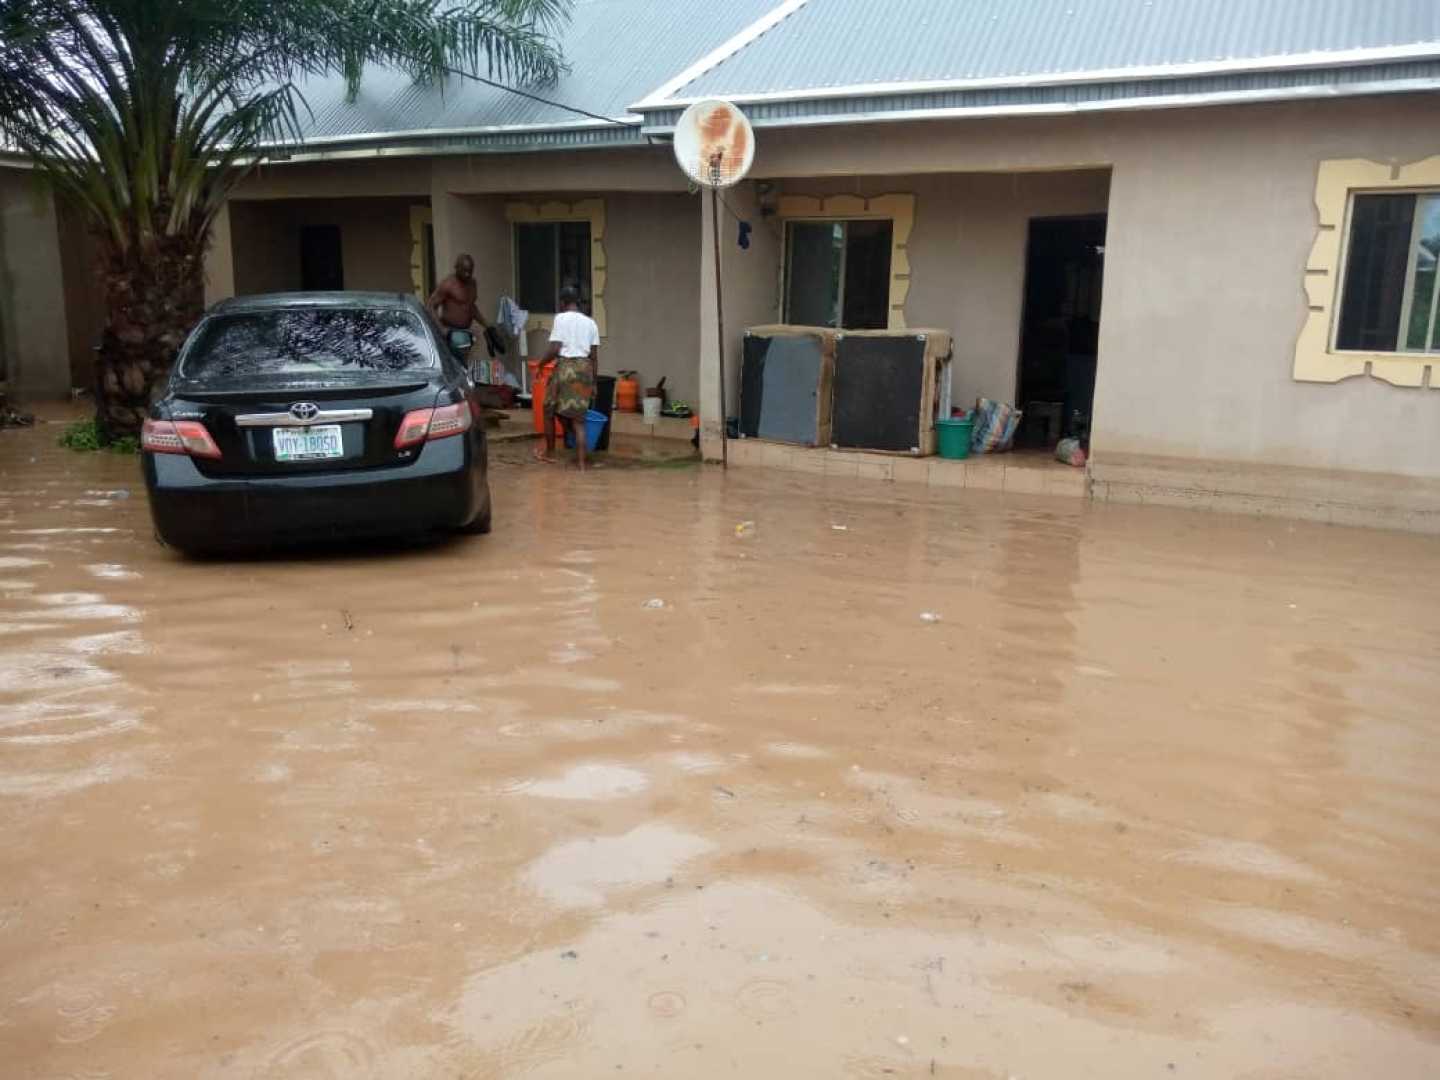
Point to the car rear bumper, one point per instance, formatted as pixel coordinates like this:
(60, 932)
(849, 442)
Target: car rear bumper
(444, 488)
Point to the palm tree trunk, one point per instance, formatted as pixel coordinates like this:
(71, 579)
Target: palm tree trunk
(152, 299)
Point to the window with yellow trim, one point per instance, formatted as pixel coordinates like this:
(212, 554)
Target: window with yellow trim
(1389, 301)
(837, 273)
(549, 255)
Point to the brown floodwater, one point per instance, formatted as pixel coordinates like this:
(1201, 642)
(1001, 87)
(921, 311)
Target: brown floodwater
(1151, 793)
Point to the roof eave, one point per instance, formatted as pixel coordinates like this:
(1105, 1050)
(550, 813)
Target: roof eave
(461, 141)
(1414, 76)
(470, 132)
(1322, 60)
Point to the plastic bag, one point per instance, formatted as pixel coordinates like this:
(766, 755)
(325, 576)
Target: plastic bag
(995, 426)
(1070, 452)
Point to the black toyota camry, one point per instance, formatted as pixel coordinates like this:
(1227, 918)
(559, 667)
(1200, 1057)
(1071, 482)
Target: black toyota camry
(301, 416)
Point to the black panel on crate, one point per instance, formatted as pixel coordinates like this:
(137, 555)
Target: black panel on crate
(752, 383)
(879, 382)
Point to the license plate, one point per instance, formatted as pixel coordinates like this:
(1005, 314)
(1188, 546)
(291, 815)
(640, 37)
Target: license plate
(309, 443)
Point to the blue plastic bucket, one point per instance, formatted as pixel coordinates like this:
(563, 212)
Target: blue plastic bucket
(594, 427)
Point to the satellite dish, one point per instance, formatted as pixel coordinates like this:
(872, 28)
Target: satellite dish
(714, 144)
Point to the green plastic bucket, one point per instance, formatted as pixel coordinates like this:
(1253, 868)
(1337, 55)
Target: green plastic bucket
(954, 438)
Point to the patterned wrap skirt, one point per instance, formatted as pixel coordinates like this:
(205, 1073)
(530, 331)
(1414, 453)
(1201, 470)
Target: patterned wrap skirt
(571, 387)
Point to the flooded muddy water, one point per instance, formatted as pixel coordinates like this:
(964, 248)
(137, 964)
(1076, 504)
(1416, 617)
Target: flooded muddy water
(1153, 794)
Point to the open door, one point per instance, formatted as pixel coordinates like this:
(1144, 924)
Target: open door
(1064, 276)
(322, 266)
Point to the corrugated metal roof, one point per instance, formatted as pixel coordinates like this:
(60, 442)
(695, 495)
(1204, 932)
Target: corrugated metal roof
(1062, 98)
(828, 44)
(618, 50)
(833, 61)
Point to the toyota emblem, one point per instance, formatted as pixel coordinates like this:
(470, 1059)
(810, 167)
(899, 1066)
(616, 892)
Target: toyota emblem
(305, 411)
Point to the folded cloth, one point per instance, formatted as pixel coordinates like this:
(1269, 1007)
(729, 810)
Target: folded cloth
(511, 317)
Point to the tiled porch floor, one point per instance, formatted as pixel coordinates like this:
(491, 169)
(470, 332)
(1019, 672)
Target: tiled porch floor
(1023, 473)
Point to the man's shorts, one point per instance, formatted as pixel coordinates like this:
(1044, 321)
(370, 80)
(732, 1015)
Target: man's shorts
(460, 342)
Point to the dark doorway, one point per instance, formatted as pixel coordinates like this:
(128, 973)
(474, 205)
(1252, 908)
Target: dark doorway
(321, 264)
(1060, 331)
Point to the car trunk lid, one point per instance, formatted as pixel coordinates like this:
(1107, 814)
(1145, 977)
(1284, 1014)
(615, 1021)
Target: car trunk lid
(311, 427)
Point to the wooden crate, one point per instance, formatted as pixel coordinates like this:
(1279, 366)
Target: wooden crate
(889, 387)
(785, 384)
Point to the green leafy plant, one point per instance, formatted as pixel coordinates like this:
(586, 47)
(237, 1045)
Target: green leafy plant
(81, 435)
(84, 436)
(146, 114)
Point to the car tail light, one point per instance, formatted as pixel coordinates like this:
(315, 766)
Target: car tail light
(178, 437)
(422, 424)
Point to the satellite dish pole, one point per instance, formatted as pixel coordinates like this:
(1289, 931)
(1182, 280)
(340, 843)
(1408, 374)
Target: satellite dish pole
(719, 308)
(715, 145)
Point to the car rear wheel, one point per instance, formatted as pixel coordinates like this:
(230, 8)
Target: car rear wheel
(479, 525)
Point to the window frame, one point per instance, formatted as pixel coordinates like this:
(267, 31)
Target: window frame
(845, 223)
(1316, 359)
(1407, 305)
(787, 267)
(1408, 295)
(897, 208)
(554, 225)
(540, 212)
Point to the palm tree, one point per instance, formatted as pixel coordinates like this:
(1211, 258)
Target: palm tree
(148, 113)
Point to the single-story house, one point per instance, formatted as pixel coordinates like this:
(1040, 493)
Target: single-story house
(1206, 232)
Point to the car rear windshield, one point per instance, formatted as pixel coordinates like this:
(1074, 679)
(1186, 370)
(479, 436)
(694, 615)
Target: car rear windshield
(308, 341)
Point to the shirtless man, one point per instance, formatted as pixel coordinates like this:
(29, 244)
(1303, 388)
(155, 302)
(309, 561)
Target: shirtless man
(453, 303)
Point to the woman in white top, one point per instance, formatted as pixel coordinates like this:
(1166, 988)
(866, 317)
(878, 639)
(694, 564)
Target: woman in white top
(575, 349)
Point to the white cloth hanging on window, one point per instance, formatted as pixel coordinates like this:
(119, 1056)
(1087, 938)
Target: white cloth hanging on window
(512, 317)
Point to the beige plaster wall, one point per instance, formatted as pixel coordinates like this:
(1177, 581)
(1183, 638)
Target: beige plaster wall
(967, 260)
(374, 241)
(264, 248)
(751, 282)
(33, 329)
(361, 177)
(1211, 220)
(475, 225)
(220, 259)
(84, 293)
(967, 256)
(652, 257)
(641, 168)
(1210, 227)
(652, 251)
(467, 194)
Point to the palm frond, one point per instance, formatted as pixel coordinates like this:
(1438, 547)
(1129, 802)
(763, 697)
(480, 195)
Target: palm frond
(147, 112)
